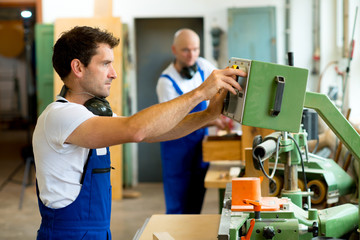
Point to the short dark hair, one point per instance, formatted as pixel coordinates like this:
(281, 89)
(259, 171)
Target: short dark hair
(80, 43)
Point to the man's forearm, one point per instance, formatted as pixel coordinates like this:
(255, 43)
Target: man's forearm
(189, 124)
(161, 118)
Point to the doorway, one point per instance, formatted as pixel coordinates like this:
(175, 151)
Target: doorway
(17, 65)
(153, 54)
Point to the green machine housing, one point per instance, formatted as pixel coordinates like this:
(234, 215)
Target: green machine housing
(274, 90)
(273, 96)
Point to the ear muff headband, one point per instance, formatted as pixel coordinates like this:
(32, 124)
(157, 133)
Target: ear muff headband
(97, 105)
(189, 72)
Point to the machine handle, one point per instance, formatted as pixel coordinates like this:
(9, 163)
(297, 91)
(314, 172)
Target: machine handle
(256, 204)
(280, 85)
(257, 207)
(248, 234)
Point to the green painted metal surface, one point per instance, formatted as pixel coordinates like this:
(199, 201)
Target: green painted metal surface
(331, 172)
(294, 196)
(333, 222)
(284, 229)
(236, 223)
(335, 120)
(259, 99)
(290, 222)
(44, 41)
(260, 96)
(337, 221)
(327, 171)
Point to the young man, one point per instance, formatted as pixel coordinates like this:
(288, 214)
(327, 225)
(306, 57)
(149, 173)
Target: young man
(71, 143)
(182, 163)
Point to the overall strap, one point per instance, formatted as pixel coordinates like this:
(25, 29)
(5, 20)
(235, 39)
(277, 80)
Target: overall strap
(201, 72)
(177, 88)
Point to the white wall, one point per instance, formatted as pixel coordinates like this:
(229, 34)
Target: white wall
(214, 13)
(66, 9)
(354, 80)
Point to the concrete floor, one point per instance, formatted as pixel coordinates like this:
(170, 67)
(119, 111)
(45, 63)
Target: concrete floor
(128, 215)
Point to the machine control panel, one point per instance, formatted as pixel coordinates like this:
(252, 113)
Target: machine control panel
(272, 95)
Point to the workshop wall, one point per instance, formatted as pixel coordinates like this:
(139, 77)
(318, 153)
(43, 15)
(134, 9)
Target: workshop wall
(301, 26)
(300, 31)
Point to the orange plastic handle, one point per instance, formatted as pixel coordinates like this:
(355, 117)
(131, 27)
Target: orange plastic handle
(251, 228)
(257, 205)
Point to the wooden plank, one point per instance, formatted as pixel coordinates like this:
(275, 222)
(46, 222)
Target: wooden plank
(39, 11)
(222, 148)
(162, 236)
(17, 3)
(200, 227)
(218, 175)
(114, 26)
(248, 134)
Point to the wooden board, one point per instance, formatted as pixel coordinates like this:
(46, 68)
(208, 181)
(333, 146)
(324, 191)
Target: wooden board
(218, 176)
(248, 134)
(162, 236)
(222, 148)
(199, 227)
(114, 26)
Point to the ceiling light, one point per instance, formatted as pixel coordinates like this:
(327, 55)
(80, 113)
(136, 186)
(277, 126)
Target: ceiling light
(26, 14)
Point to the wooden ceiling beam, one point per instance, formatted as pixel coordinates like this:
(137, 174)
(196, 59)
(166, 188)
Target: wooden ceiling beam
(17, 3)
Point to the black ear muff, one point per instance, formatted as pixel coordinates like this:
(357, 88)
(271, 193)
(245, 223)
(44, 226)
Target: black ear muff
(99, 106)
(188, 72)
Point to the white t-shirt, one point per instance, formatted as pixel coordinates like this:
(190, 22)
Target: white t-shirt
(59, 166)
(165, 89)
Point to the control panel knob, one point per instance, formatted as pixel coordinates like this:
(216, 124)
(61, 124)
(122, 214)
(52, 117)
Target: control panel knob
(268, 232)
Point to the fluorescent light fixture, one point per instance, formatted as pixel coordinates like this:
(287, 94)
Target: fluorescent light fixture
(26, 14)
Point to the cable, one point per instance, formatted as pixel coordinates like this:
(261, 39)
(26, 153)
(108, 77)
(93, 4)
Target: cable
(276, 161)
(322, 74)
(316, 145)
(275, 164)
(351, 52)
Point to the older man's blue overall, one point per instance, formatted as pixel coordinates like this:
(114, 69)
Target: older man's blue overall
(183, 167)
(88, 217)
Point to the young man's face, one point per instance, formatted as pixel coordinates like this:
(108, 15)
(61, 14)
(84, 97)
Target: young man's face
(100, 72)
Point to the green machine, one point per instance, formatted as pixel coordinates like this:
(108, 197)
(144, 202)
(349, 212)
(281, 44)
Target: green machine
(273, 96)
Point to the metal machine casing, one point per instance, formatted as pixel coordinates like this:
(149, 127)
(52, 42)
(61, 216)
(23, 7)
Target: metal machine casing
(253, 105)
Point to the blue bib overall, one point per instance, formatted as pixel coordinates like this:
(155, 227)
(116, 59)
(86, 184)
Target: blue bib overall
(183, 168)
(88, 217)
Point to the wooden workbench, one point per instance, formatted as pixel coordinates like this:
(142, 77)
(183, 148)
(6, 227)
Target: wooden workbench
(218, 176)
(199, 227)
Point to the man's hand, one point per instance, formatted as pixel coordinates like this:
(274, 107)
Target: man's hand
(219, 80)
(226, 79)
(216, 104)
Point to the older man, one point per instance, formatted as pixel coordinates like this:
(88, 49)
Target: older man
(183, 168)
